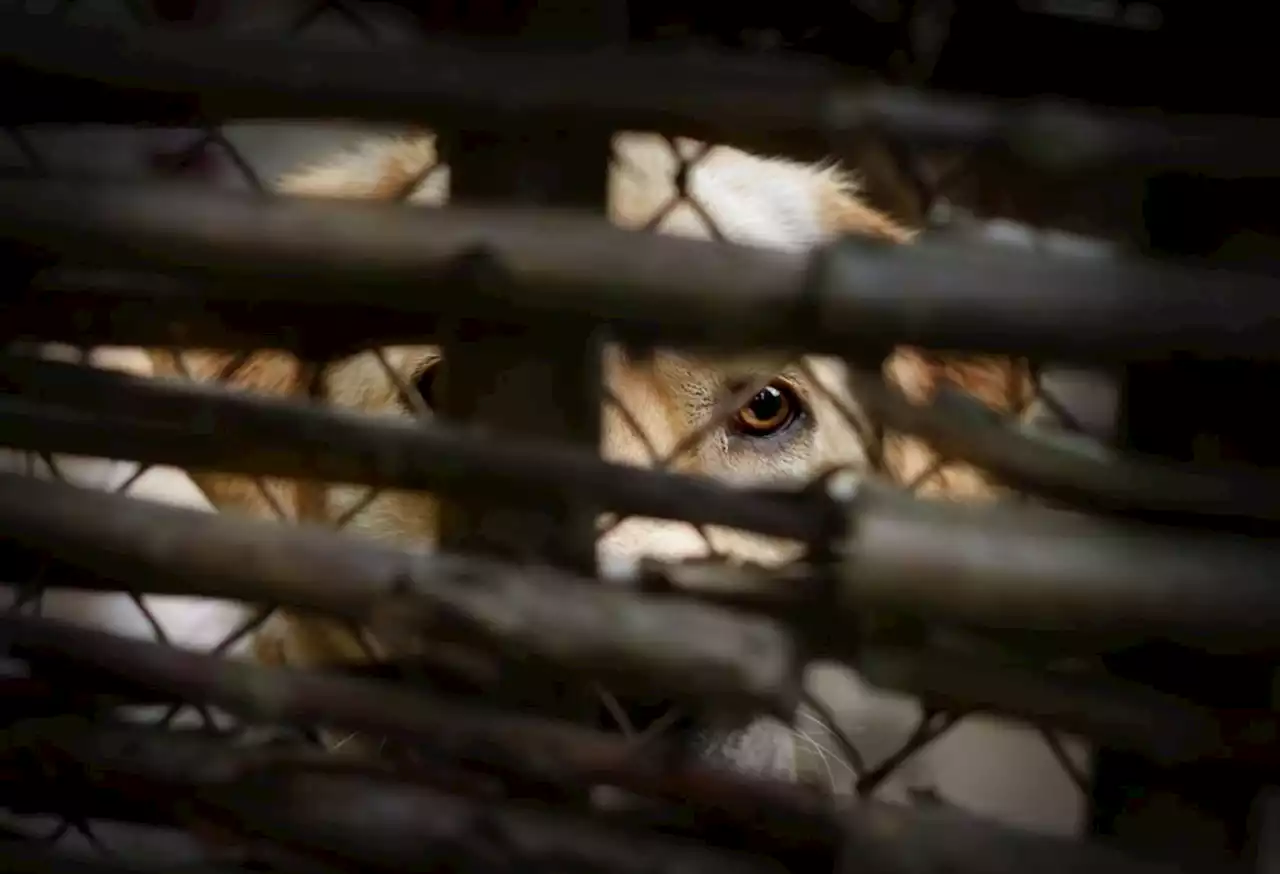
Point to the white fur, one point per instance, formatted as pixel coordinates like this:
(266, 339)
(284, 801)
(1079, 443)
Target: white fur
(195, 623)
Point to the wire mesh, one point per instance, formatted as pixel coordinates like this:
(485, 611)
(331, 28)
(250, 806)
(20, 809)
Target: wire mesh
(927, 471)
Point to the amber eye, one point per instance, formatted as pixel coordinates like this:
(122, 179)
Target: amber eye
(772, 409)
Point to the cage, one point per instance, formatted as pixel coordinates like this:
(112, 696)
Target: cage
(1015, 615)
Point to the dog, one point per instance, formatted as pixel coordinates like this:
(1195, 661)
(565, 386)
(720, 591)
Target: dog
(801, 422)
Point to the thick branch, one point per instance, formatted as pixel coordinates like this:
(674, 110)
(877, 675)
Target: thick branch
(691, 651)
(526, 749)
(1021, 568)
(1089, 478)
(369, 816)
(522, 266)
(326, 810)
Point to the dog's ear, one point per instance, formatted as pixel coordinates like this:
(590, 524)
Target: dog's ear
(842, 211)
(1000, 383)
(1003, 384)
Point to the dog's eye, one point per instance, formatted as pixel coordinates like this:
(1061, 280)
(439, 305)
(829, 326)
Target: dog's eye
(772, 410)
(425, 383)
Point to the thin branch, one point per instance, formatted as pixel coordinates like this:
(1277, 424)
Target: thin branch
(83, 411)
(767, 104)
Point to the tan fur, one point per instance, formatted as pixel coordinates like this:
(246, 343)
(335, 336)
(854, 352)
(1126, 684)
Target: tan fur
(1000, 384)
(668, 394)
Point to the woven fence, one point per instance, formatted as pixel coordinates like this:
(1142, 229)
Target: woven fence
(1000, 550)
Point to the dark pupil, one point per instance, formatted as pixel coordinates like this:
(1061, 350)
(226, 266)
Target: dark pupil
(766, 406)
